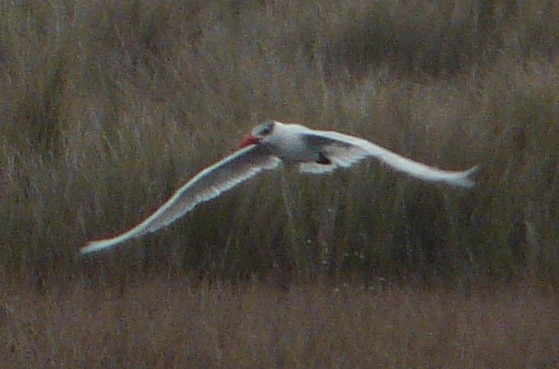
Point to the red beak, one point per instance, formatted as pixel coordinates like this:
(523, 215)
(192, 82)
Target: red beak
(249, 140)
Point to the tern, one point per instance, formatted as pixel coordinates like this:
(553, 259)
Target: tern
(268, 145)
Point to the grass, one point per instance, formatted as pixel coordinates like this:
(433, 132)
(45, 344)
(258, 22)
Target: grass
(162, 323)
(106, 107)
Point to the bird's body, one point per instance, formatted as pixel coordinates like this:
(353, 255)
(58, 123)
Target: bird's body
(287, 143)
(268, 145)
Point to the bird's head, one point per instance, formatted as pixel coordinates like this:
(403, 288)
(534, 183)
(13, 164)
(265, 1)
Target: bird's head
(259, 133)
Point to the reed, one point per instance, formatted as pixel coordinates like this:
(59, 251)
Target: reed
(108, 106)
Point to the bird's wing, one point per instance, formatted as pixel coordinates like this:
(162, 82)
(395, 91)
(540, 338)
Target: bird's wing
(339, 153)
(206, 185)
(344, 150)
(316, 168)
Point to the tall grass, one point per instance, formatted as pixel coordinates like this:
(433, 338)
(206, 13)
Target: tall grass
(108, 106)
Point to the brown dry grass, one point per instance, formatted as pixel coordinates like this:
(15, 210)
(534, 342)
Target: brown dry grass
(162, 323)
(106, 107)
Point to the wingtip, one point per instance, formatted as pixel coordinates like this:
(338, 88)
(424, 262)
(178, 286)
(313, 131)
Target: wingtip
(465, 180)
(473, 169)
(93, 246)
(90, 247)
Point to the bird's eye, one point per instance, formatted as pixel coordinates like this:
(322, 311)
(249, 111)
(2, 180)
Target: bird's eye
(266, 130)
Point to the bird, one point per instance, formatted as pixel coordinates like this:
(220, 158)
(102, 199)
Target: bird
(265, 148)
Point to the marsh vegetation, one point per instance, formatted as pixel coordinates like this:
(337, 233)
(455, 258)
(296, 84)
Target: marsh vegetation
(106, 107)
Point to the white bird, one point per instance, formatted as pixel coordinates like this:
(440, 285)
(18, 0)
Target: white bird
(266, 147)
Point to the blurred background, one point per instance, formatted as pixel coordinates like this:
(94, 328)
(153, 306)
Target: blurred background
(107, 107)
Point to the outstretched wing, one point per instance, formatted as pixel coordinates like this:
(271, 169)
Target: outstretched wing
(344, 150)
(206, 185)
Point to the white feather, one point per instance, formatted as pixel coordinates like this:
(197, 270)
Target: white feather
(345, 150)
(293, 143)
(206, 185)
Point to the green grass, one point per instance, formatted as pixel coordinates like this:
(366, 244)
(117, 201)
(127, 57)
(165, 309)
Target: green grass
(107, 107)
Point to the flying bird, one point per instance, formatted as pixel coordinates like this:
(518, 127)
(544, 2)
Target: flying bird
(269, 144)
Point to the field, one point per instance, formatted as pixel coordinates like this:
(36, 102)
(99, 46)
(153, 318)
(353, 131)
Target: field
(163, 323)
(107, 106)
